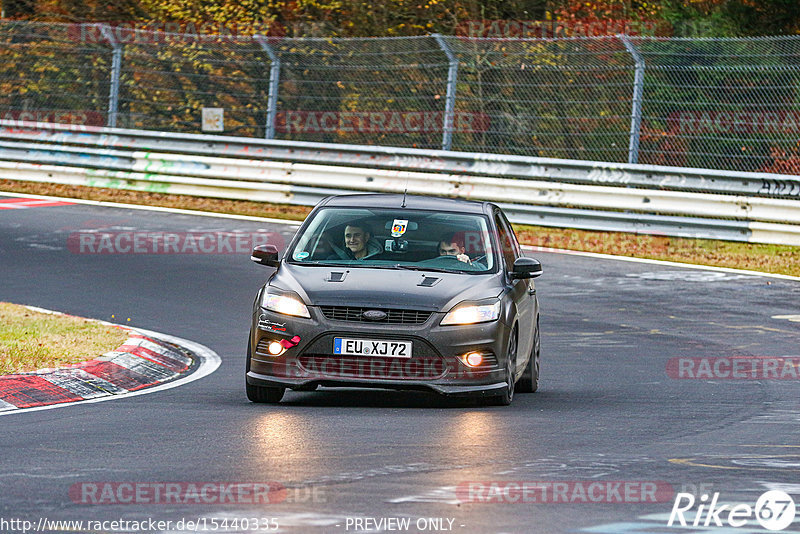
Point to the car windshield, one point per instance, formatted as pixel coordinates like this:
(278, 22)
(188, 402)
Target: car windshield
(396, 239)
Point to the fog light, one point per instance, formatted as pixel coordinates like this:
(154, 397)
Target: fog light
(275, 348)
(473, 359)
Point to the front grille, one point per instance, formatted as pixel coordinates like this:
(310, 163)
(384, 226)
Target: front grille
(371, 368)
(354, 314)
(489, 361)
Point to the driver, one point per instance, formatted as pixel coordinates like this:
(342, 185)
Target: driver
(451, 245)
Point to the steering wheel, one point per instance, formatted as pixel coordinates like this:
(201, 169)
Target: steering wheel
(446, 258)
(451, 261)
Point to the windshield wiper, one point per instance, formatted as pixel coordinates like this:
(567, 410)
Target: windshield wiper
(323, 263)
(319, 263)
(424, 268)
(357, 265)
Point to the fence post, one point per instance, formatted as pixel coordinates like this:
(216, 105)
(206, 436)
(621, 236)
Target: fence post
(274, 78)
(116, 67)
(450, 102)
(636, 106)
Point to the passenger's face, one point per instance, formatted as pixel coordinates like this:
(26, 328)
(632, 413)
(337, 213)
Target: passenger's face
(355, 239)
(449, 249)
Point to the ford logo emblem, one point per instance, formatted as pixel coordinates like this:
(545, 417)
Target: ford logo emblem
(374, 315)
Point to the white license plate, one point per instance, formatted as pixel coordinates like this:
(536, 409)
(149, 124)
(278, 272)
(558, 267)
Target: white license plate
(371, 347)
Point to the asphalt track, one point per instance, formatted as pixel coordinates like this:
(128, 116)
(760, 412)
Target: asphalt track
(607, 410)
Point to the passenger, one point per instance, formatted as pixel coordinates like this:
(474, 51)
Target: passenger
(359, 242)
(451, 245)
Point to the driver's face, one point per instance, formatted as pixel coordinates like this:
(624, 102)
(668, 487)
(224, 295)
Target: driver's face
(448, 249)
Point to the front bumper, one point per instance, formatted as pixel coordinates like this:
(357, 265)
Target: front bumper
(433, 366)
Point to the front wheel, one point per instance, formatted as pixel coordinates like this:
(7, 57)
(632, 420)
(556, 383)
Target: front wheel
(260, 394)
(511, 366)
(529, 382)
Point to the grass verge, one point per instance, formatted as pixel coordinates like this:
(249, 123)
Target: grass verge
(32, 340)
(778, 259)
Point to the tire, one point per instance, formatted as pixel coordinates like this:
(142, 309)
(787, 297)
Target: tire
(529, 381)
(260, 394)
(511, 364)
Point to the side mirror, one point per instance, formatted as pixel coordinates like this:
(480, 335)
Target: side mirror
(265, 255)
(526, 268)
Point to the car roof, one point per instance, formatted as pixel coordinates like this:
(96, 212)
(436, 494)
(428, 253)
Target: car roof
(411, 202)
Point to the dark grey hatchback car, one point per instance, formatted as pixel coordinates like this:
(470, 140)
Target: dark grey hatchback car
(395, 292)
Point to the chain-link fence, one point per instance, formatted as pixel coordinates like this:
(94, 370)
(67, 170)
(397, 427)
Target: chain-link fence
(712, 103)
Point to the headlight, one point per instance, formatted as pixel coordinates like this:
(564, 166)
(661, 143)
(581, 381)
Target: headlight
(284, 304)
(472, 313)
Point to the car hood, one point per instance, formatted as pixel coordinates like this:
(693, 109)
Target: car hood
(385, 288)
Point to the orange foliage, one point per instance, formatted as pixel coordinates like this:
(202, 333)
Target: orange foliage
(783, 162)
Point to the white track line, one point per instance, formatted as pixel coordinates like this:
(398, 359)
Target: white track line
(525, 247)
(156, 208)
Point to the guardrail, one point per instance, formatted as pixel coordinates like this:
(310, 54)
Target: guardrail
(737, 206)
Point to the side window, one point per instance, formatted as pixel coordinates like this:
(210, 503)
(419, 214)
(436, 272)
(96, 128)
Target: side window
(508, 244)
(513, 236)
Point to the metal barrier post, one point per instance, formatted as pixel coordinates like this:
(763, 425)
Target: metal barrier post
(274, 78)
(636, 106)
(116, 67)
(450, 102)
